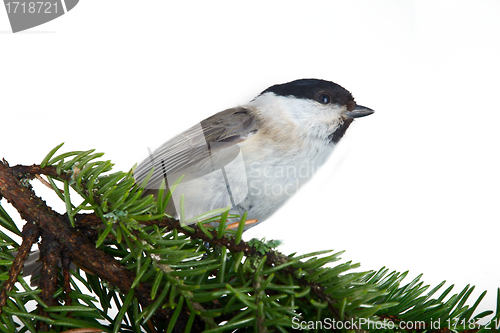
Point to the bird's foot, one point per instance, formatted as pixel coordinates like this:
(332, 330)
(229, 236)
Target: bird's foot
(236, 224)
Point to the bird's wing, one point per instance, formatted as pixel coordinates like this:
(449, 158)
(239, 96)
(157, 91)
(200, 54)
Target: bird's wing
(199, 150)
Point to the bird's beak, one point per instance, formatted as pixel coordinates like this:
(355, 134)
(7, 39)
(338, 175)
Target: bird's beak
(359, 111)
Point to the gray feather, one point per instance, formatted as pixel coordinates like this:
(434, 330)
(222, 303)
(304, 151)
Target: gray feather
(200, 150)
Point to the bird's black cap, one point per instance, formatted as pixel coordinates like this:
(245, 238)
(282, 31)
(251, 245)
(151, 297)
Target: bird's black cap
(310, 89)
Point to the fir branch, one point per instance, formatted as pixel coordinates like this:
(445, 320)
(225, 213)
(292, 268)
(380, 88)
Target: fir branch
(272, 258)
(35, 211)
(165, 277)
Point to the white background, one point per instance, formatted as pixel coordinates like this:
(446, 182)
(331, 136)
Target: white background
(412, 187)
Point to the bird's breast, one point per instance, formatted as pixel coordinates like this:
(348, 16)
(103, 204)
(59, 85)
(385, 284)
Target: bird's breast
(275, 172)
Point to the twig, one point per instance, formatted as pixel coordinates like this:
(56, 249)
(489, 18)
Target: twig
(46, 183)
(31, 171)
(84, 330)
(65, 263)
(50, 252)
(30, 235)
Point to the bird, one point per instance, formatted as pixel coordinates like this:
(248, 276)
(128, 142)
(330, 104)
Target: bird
(254, 157)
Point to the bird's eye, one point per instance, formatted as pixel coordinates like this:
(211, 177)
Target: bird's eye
(324, 98)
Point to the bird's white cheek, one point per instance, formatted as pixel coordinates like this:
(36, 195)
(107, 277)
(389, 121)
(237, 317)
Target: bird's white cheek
(319, 122)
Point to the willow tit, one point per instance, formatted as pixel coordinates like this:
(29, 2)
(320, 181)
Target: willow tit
(254, 157)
